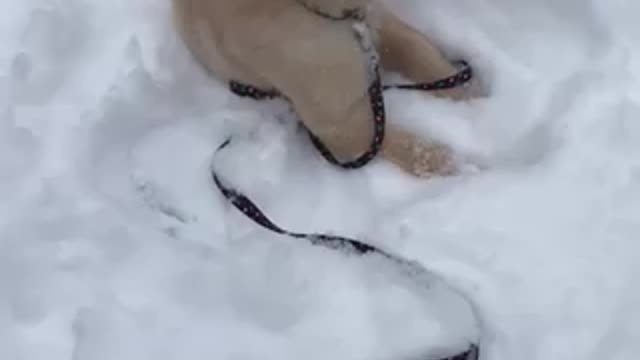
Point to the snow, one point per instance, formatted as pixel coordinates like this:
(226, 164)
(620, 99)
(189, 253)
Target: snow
(115, 245)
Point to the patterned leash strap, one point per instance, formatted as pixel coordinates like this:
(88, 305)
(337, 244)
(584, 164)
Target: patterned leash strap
(343, 244)
(461, 77)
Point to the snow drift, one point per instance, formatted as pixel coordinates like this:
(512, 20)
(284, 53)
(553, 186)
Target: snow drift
(115, 245)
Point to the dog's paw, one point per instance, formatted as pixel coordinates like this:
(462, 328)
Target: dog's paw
(433, 160)
(439, 160)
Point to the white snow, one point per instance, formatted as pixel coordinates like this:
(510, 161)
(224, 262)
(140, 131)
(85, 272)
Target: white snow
(115, 245)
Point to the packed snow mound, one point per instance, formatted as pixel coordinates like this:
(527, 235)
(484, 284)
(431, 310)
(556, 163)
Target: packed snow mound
(115, 245)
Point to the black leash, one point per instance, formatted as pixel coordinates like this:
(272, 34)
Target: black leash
(375, 92)
(343, 244)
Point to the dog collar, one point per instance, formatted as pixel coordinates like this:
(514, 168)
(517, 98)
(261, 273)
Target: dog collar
(356, 13)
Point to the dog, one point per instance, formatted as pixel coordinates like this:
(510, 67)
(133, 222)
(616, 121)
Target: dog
(298, 48)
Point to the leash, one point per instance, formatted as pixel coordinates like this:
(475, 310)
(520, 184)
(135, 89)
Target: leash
(375, 91)
(347, 246)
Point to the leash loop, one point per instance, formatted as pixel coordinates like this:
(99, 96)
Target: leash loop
(362, 34)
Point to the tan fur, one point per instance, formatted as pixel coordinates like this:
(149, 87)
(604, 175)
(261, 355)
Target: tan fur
(318, 65)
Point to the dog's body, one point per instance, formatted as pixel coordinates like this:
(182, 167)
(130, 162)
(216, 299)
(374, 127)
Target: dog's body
(318, 65)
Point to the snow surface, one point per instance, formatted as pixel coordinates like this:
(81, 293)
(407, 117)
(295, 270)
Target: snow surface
(115, 245)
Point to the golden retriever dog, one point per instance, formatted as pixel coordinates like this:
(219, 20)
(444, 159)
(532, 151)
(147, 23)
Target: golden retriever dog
(318, 65)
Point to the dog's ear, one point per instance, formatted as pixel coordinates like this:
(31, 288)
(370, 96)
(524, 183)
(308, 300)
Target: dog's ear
(335, 8)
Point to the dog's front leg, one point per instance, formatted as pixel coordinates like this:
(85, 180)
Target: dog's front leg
(405, 50)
